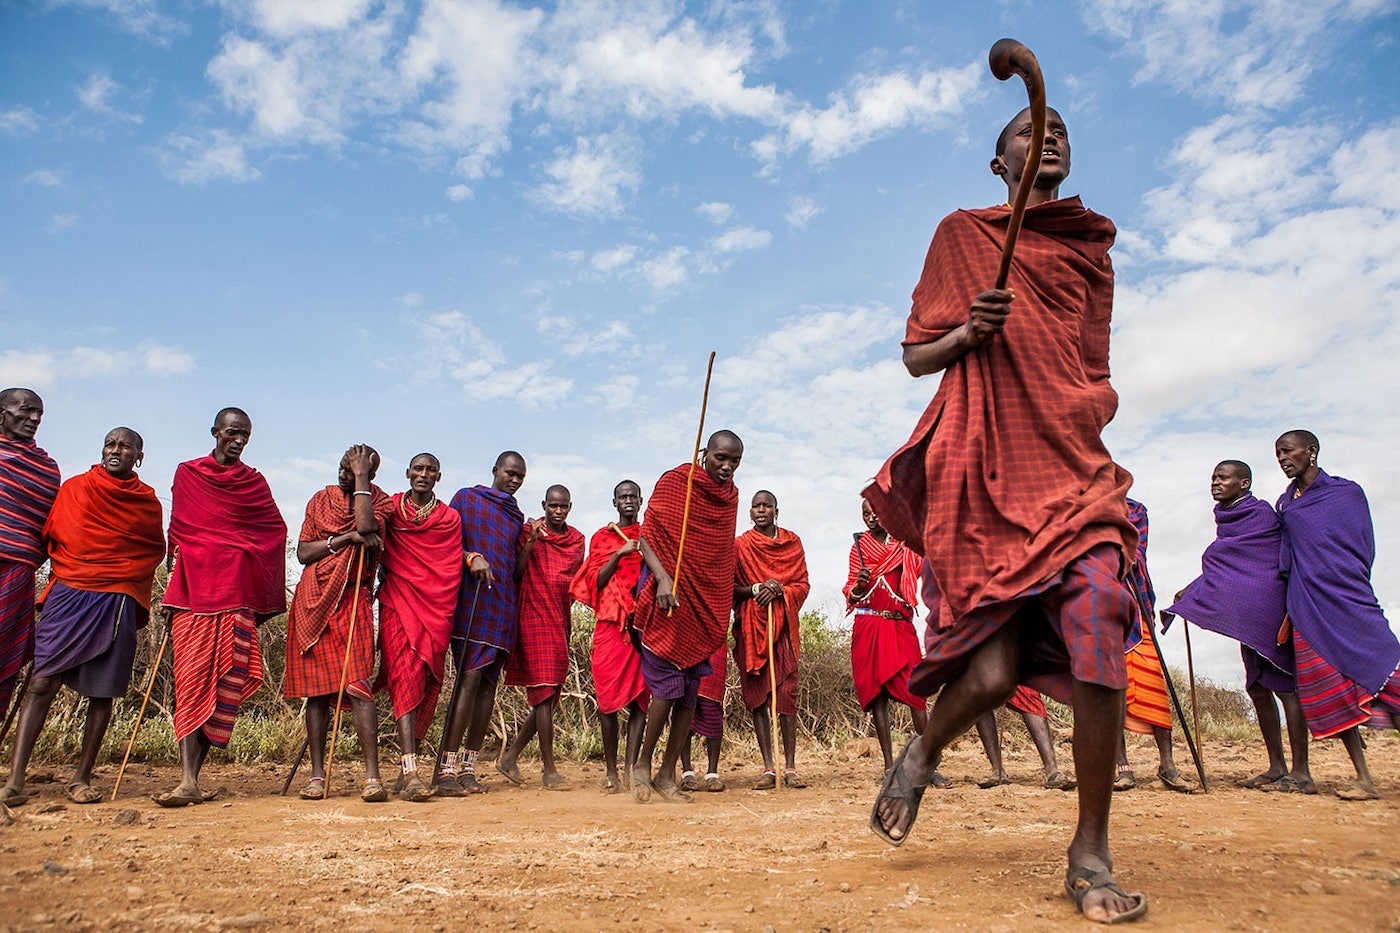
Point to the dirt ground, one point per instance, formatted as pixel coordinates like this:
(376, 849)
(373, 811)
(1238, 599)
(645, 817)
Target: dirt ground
(530, 859)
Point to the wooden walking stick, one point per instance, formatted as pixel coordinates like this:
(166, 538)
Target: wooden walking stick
(690, 482)
(1008, 57)
(1191, 677)
(155, 670)
(613, 526)
(449, 716)
(773, 696)
(1176, 705)
(17, 703)
(344, 667)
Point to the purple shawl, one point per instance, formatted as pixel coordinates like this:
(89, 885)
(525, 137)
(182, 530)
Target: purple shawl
(1239, 593)
(1328, 548)
(491, 523)
(1138, 581)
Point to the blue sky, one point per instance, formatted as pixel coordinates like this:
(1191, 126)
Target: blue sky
(466, 226)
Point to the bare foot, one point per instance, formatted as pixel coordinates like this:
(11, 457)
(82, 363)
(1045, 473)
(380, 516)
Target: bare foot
(1359, 790)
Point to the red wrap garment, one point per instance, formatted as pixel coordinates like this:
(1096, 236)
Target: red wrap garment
(617, 666)
(884, 646)
(1005, 480)
(541, 656)
(706, 587)
(105, 535)
(759, 558)
(318, 623)
(422, 563)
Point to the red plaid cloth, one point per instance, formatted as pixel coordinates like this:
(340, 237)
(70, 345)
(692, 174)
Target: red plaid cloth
(760, 558)
(422, 572)
(318, 623)
(104, 535)
(541, 655)
(616, 663)
(713, 684)
(1026, 700)
(1005, 480)
(217, 667)
(706, 588)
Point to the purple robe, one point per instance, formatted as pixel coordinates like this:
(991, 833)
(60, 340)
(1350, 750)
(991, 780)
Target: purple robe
(1240, 593)
(491, 523)
(1326, 556)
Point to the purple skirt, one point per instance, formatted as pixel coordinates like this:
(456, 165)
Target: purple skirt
(88, 640)
(1260, 670)
(709, 719)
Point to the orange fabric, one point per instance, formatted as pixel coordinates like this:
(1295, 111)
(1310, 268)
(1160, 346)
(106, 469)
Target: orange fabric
(1006, 480)
(1147, 700)
(760, 558)
(104, 535)
(323, 583)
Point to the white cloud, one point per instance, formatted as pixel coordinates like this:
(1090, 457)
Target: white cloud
(18, 121)
(801, 209)
(668, 270)
(98, 94)
(60, 222)
(45, 177)
(571, 339)
(462, 353)
(214, 156)
(459, 193)
(591, 179)
(282, 19)
(741, 239)
(610, 260)
(46, 367)
(716, 212)
(140, 17)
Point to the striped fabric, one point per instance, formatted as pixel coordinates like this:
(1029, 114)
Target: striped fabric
(1333, 702)
(217, 667)
(1028, 701)
(541, 656)
(16, 625)
(1147, 700)
(28, 484)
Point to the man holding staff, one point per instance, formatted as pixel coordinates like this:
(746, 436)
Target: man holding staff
(1007, 490)
(229, 577)
(104, 540)
(330, 628)
(770, 586)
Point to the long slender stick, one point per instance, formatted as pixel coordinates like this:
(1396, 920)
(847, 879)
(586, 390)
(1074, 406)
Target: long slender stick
(15, 705)
(690, 482)
(155, 670)
(1176, 705)
(345, 665)
(620, 533)
(449, 717)
(776, 738)
(1008, 57)
(1191, 677)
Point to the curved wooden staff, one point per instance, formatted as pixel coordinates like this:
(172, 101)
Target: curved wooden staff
(155, 670)
(776, 740)
(345, 665)
(690, 482)
(1006, 58)
(613, 526)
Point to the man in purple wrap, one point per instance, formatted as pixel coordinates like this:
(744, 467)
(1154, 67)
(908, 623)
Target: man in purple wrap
(486, 623)
(1240, 595)
(1345, 652)
(28, 484)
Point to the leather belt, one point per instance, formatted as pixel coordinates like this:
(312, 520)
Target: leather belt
(882, 613)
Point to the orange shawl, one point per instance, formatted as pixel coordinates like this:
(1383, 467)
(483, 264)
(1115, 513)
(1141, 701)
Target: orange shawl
(762, 558)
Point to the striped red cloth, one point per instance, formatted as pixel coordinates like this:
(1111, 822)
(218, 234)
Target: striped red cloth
(318, 623)
(1005, 480)
(104, 535)
(1333, 702)
(423, 571)
(541, 656)
(706, 587)
(1148, 705)
(16, 624)
(616, 663)
(894, 575)
(217, 666)
(230, 541)
(1026, 700)
(28, 484)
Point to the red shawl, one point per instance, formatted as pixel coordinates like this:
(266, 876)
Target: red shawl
(894, 574)
(541, 656)
(422, 572)
(229, 539)
(105, 535)
(706, 592)
(763, 558)
(614, 604)
(323, 583)
(1006, 480)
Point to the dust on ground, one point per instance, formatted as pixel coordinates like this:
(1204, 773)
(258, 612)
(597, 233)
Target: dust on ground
(530, 859)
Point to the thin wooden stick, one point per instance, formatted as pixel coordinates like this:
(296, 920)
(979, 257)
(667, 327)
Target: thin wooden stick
(1176, 705)
(1008, 57)
(18, 701)
(777, 739)
(345, 666)
(1191, 678)
(155, 670)
(613, 526)
(690, 482)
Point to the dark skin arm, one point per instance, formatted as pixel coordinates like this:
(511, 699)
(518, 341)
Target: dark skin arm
(768, 591)
(366, 531)
(610, 568)
(665, 598)
(862, 587)
(537, 531)
(985, 319)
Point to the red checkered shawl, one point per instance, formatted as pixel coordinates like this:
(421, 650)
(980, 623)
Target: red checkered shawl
(541, 656)
(104, 535)
(761, 558)
(323, 583)
(422, 572)
(706, 590)
(894, 575)
(1006, 480)
(614, 603)
(230, 541)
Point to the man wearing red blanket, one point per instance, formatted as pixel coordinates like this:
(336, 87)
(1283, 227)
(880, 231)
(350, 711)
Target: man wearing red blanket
(681, 630)
(422, 573)
(230, 576)
(770, 586)
(1007, 490)
(330, 628)
(551, 553)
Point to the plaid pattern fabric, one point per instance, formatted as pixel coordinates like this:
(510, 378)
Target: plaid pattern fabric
(1139, 582)
(541, 656)
(1070, 629)
(706, 585)
(616, 663)
(1332, 702)
(28, 484)
(754, 684)
(884, 653)
(315, 670)
(759, 558)
(714, 684)
(491, 523)
(708, 722)
(320, 599)
(412, 683)
(217, 667)
(1005, 481)
(1026, 700)
(16, 624)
